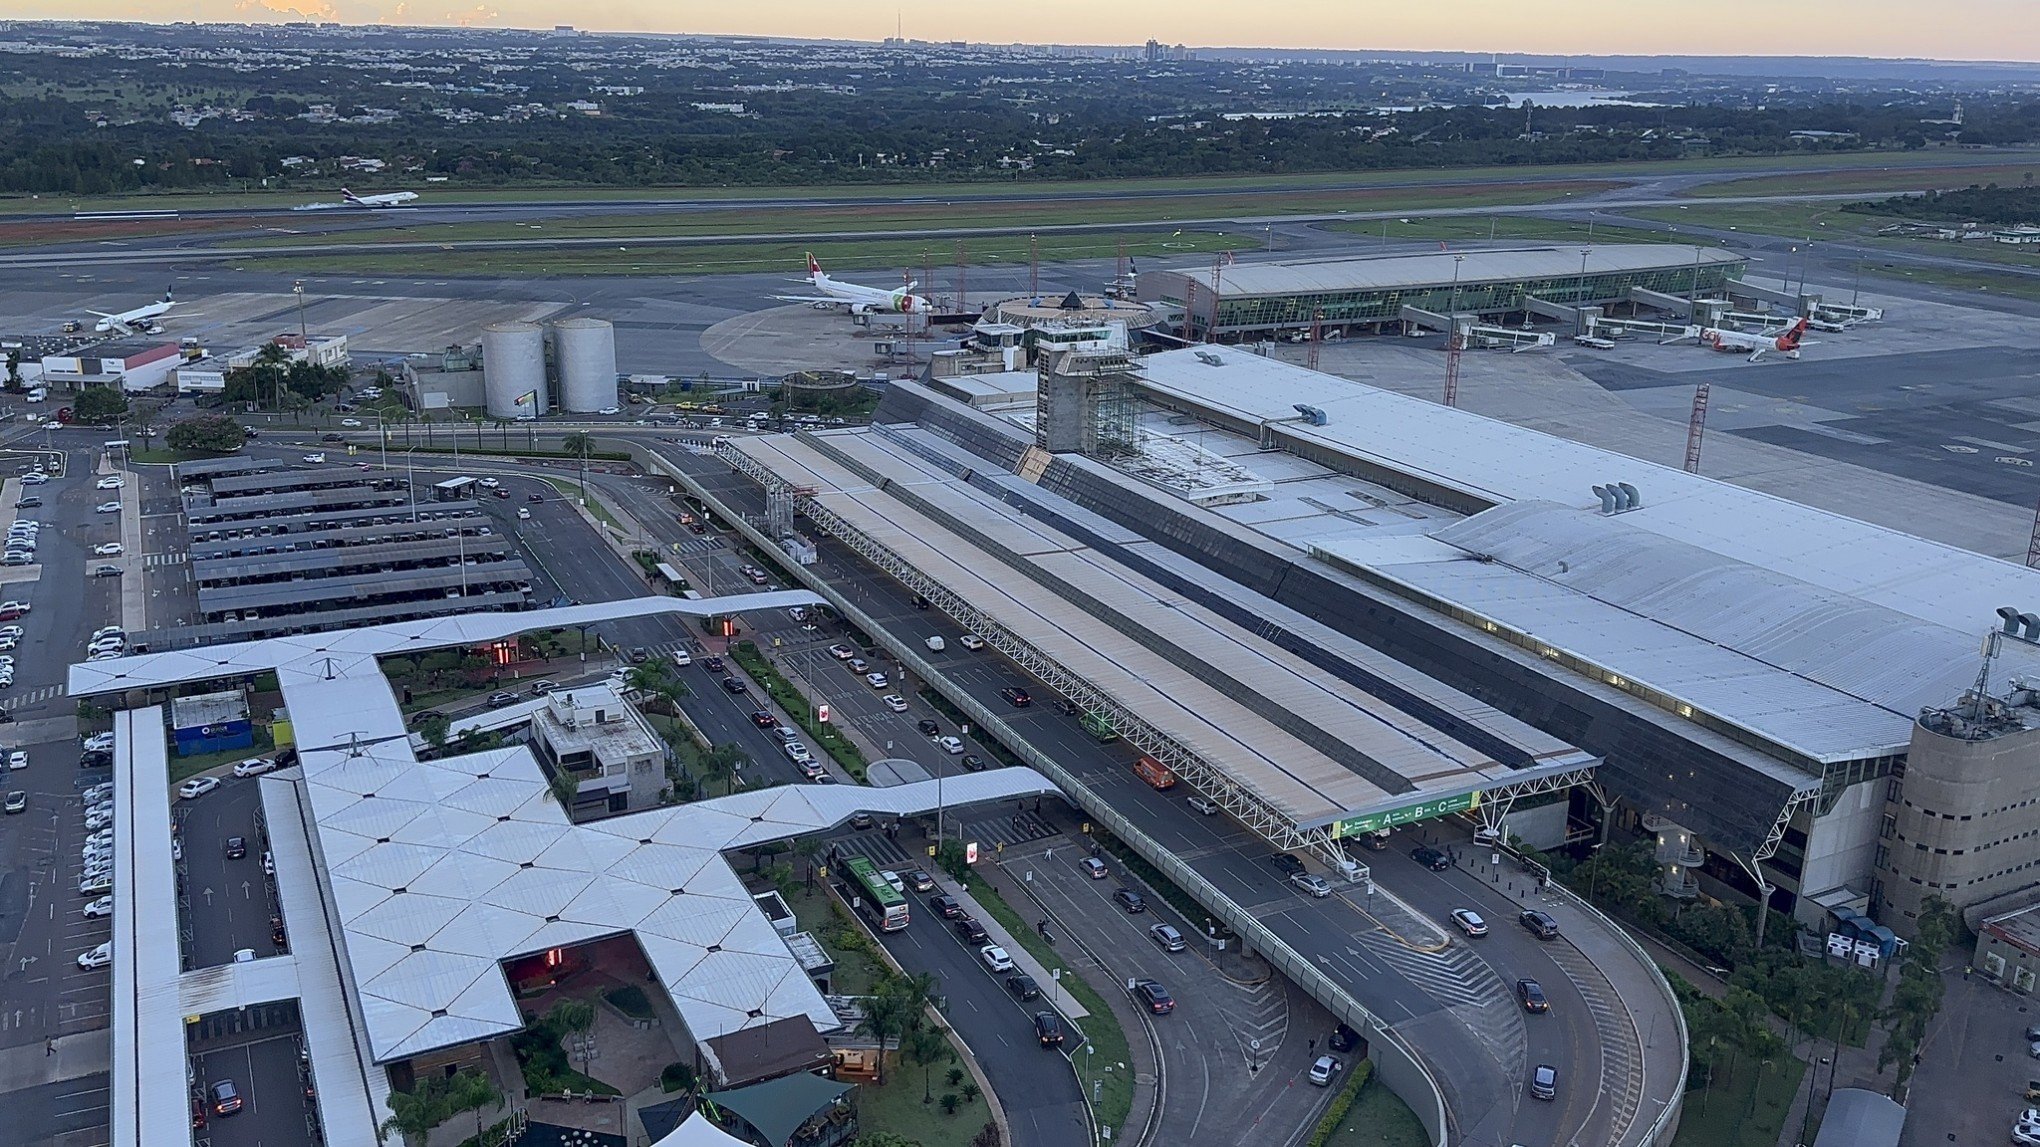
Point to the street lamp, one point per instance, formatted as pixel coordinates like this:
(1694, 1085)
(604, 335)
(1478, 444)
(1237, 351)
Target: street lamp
(1580, 298)
(298, 288)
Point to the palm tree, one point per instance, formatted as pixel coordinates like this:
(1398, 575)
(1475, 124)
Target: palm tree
(472, 1091)
(570, 1015)
(722, 762)
(410, 1114)
(885, 1015)
(579, 443)
(924, 1045)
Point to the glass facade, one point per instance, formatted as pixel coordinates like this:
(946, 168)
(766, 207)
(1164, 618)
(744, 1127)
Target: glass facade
(1382, 305)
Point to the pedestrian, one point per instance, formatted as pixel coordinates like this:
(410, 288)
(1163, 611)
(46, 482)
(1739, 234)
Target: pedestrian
(1313, 1043)
(50, 1048)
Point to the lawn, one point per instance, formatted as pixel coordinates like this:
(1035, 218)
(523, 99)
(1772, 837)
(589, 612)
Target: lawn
(1464, 228)
(897, 1107)
(1745, 1107)
(1893, 180)
(448, 194)
(917, 216)
(182, 768)
(1379, 1119)
(891, 255)
(1100, 1028)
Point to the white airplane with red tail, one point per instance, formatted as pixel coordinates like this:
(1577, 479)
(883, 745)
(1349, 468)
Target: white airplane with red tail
(1781, 340)
(853, 298)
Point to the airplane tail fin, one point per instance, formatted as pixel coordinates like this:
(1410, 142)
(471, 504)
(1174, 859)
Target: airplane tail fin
(814, 267)
(1790, 339)
(167, 292)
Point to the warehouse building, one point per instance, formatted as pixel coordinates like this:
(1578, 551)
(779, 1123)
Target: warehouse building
(1369, 295)
(136, 365)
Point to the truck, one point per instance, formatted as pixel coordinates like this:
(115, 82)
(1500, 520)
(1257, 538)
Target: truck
(1154, 773)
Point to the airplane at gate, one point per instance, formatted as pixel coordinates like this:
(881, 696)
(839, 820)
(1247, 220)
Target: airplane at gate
(853, 298)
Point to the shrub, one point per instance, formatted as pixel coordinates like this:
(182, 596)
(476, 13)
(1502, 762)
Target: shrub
(1356, 1080)
(949, 1102)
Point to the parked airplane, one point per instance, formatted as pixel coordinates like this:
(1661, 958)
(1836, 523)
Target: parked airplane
(853, 298)
(1784, 340)
(386, 199)
(140, 320)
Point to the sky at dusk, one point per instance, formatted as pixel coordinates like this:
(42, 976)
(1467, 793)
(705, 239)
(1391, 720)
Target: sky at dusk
(1946, 29)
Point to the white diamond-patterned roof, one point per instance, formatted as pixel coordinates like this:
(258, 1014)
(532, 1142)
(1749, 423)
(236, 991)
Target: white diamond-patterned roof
(439, 870)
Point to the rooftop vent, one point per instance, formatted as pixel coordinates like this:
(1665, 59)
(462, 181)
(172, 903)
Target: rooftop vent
(1209, 359)
(2023, 626)
(1618, 498)
(1310, 414)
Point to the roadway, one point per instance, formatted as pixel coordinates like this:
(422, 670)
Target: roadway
(1454, 1005)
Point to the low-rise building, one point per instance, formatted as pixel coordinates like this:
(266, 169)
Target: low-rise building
(136, 365)
(319, 350)
(200, 376)
(589, 732)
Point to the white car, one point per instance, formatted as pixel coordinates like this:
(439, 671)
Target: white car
(609, 410)
(104, 631)
(350, 422)
(197, 787)
(110, 482)
(893, 878)
(34, 479)
(895, 702)
(100, 907)
(488, 483)
(93, 886)
(950, 745)
(18, 759)
(971, 641)
(13, 607)
(107, 655)
(995, 958)
(877, 680)
(108, 549)
(253, 767)
(319, 457)
(798, 752)
(107, 508)
(523, 515)
(98, 957)
(97, 742)
(1204, 805)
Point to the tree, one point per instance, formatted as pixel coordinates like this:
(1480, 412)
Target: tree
(578, 443)
(209, 432)
(472, 1091)
(434, 729)
(722, 763)
(14, 368)
(886, 1012)
(925, 1045)
(885, 1139)
(572, 1015)
(100, 404)
(988, 1136)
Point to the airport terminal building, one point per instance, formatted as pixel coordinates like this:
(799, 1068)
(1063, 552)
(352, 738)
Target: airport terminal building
(1781, 696)
(1351, 296)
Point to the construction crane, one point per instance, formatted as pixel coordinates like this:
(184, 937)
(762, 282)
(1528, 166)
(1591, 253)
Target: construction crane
(962, 295)
(1698, 426)
(1317, 336)
(1453, 348)
(2033, 546)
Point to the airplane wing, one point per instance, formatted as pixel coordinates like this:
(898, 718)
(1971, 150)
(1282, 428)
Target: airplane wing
(809, 299)
(99, 314)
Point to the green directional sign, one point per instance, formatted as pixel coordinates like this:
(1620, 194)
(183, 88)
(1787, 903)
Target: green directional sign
(1407, 814)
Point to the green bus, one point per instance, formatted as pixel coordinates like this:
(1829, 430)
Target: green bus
(887, 906)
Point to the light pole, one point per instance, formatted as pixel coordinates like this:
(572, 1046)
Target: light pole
(298, 288)
(1580, 299)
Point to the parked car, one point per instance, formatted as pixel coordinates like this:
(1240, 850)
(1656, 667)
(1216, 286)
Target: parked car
(927, 727)
(98, 957)
(1430, 858)
(1093, 867)
(968, 928)
(972, 763)
(1539, 924)
(1022, 986)
(501, 697)
(920, 881)
(945, 907)
(1167, 937)
(17, 801)
(1323, 1069)
(1130, 900)
(995, 958)
(197, 787)
(253, 767)
(951, 745)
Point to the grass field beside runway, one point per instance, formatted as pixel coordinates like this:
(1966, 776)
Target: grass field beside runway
(1468, 228)
(1892, 181)
(910, 217)
(878, 255)
(449, 195)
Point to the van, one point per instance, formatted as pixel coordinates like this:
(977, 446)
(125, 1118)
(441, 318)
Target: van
(935, 644)
(115, 445)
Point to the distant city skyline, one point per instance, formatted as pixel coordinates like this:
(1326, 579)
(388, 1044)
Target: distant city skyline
(1897, 29)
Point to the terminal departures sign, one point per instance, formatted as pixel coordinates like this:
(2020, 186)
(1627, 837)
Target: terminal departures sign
(1407, 814)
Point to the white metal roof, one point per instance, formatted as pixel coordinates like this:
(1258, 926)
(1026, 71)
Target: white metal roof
(1298, 777)
(1912, 580)
(436, 871)
(1434, 269)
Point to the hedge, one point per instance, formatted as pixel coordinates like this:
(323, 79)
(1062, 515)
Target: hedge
(1328, 1126)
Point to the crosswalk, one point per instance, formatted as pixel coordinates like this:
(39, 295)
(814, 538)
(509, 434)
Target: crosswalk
(990, 833)
(157, 561)
(34, 696)
(1458, 978)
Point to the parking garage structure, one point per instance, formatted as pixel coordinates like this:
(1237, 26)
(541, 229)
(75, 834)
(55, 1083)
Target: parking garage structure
(1302, 757)
(1344, 294)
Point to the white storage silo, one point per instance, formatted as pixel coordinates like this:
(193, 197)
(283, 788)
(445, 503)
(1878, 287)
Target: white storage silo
(584, 354)
(513, 370)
